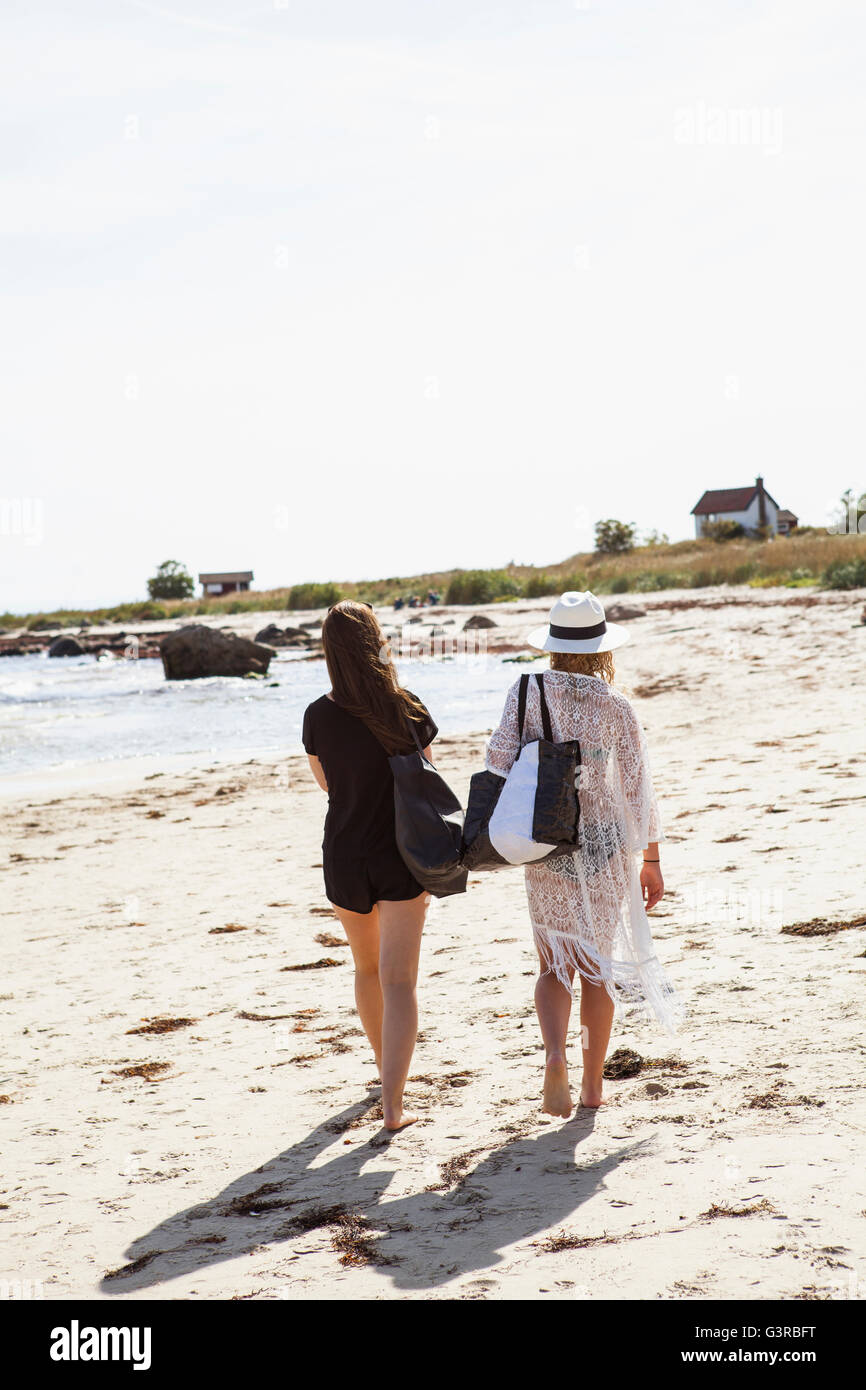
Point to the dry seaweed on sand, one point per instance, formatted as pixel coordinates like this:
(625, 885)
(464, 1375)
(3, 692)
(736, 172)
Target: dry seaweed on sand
(554, 1244)
(134, 1266)
(229, 927)
(149, 1071)
(350, 1235)
(621, 1063)
(667, 1065)
(724, 1209)
(773, 1100)
(624, 1063)
(259, 1202)
(322, 964)
(352, 1240)
(163, 1025)
(453, 1171)
(326, 938)
(819, 926)
(261, 1018)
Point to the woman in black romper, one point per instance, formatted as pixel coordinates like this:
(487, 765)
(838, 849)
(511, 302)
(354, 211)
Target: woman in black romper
(348, 735)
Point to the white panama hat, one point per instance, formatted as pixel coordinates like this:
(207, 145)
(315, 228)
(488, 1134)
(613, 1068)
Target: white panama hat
(577, 624)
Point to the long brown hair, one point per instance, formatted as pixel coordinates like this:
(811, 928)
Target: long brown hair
(363, 676)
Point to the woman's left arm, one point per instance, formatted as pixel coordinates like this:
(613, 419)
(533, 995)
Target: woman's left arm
(651, 881)
(642, 802)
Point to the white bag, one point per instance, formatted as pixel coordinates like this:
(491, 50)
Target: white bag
(532, 813)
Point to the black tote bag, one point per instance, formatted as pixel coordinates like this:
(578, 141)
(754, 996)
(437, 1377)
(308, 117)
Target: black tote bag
(551, 805)
(428, 820)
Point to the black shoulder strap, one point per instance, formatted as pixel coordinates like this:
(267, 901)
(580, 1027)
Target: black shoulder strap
(521, 704)
(545, 713)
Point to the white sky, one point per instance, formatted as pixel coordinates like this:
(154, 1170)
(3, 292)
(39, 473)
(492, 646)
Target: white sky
(342, 290)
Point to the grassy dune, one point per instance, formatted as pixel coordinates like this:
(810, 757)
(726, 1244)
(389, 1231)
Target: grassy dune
(808, 558)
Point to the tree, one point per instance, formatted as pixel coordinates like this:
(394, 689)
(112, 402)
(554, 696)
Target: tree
(614, 537)
(171, 580)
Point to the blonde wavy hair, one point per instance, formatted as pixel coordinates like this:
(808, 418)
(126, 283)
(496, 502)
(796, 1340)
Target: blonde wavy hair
(585, 664)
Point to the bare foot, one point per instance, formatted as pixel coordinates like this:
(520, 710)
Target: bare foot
(590, 1096)
(557, 1095)
(403, 1119)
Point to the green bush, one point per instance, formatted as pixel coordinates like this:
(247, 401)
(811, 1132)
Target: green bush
(725, 530)
(572, 583)
(620, 585)
(540, 585)
(149, 612)
(313, 596)
(648, 582)
(702, 579)
(847, 576)
(482, 586)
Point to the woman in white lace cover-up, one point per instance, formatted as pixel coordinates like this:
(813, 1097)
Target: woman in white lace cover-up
(588, 908)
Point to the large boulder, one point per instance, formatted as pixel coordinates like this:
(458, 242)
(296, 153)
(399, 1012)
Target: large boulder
(66, 646)
(478, 620)
(195, 651)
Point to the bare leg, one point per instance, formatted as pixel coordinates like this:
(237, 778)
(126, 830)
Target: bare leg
(400, 928)
(553, 1006)
(596, 1017)
(362, 929)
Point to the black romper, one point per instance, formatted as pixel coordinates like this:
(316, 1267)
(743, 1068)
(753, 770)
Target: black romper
(361, 862)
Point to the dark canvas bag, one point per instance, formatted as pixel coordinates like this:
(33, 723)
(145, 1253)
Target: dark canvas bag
(428, 820)
(532, 813)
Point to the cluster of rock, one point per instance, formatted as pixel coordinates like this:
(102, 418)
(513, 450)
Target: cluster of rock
(303, 636)
(68, 644)
(196, 650)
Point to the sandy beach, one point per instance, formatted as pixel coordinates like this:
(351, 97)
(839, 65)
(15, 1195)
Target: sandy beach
(187, 1100)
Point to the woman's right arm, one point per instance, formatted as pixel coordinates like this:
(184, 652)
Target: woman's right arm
(308, 739)
(318, 771)
(504, 742)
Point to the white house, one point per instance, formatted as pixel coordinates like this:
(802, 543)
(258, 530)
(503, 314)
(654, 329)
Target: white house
(752, 507)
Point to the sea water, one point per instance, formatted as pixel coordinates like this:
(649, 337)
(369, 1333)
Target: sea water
(59, 712)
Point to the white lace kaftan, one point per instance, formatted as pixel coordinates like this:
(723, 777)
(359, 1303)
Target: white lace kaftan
(586, 906)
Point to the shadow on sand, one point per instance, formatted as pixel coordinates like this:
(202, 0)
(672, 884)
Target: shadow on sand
(525, 1186)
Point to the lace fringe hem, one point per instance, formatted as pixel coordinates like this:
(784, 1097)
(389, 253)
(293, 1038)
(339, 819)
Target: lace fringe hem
(641, 987)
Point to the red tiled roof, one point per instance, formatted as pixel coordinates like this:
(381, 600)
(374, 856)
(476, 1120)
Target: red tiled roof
(225, 576)
(727, 499)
